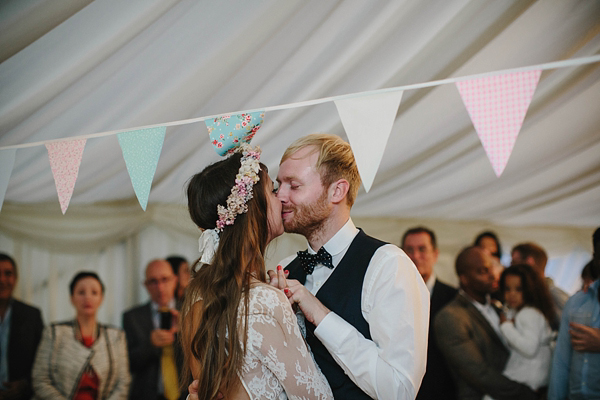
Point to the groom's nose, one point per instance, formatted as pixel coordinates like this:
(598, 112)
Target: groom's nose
(282, 194)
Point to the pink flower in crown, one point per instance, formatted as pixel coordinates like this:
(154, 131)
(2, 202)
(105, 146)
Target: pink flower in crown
(244, 123)
(219, 145)
(236, 140)
(248, 117)
(214, 142)
(221, 136)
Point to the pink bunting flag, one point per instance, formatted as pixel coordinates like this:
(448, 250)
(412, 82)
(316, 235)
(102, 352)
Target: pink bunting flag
(65, 158)
(497, 106)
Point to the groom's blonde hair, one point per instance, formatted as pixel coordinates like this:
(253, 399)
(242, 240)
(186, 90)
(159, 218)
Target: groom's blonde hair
(336, 160)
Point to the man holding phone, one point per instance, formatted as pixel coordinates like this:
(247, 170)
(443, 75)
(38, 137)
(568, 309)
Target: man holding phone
(151, 330)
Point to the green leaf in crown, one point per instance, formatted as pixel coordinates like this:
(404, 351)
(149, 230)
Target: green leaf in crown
(229, 131)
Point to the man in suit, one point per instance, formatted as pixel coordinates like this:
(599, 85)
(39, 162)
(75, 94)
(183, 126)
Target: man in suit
(420, 245)
(467, 332)
(151, 330)
(20, 333)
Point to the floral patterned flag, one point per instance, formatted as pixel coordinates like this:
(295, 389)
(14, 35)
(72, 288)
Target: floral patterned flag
(65, 158)
(497, 106)
(7, 161)
(141, 151)
(368, 121)
(229, 131)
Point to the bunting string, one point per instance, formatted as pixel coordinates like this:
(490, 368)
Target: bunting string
(551, 65)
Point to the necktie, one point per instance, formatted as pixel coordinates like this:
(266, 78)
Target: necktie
(309, 261)
(169, 373)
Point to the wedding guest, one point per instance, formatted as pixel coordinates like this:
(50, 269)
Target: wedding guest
(526, 326)
(265, 356)
(468, 333)
(152, 337)
(534, 255)
(420, 245)
(181, 268)
(489, 241)
(20, 333)
(82, 358)
(588, 275)
(576, 362)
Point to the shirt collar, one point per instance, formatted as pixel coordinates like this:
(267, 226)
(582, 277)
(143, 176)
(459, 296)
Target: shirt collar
(477, 304)
(430, 282)
(341, 240)
(155, 307)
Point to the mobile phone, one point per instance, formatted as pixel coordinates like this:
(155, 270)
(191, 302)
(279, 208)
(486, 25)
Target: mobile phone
(165, 320)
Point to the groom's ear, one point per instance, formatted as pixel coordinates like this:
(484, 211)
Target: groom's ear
(338, 191)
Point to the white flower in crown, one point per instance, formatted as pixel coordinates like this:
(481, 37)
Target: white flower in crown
(241, 192)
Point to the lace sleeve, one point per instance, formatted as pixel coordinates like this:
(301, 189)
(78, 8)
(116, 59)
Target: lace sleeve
(275, 340)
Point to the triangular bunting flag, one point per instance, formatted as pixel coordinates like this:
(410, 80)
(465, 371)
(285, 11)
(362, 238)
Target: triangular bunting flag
(141, 151)
(65, 158)
(497, 106)
(7, 161)
(229, 131)
(368, 121)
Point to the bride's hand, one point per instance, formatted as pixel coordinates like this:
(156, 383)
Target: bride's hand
(278, 279)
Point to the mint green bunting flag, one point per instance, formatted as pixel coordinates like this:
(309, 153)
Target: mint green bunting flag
(141, 151)
(7, 161)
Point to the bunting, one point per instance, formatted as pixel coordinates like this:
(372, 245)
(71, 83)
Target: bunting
(141, 151)
(65, 158)
(7, 162)
(497, 103)
(229, 131)
(368, 122)
(497, 106)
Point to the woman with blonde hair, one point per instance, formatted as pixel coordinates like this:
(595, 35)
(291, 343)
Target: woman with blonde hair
(240, 336)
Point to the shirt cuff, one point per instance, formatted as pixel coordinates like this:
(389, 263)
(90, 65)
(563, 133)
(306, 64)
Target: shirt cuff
(333, 331)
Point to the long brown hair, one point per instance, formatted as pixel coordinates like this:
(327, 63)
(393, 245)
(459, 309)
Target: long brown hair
(535, 290)
(216, 348)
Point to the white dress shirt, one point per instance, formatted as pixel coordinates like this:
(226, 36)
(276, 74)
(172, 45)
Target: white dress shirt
(395, 304)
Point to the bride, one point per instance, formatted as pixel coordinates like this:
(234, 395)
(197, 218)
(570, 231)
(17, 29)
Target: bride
(240, 336)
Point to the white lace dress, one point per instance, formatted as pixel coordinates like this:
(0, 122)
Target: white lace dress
(277, 363)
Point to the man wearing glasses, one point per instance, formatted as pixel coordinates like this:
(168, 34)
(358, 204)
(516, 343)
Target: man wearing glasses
(151, 330)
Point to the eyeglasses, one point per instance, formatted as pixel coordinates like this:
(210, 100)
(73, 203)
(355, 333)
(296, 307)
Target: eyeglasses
(155, 282)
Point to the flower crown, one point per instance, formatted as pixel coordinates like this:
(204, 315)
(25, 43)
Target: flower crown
(241, 192)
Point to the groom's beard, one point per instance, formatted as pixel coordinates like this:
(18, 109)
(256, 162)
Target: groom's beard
(308, 219)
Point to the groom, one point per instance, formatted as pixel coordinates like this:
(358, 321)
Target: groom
(366, 306)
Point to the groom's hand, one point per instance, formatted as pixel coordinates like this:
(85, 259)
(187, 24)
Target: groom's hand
(314, 311)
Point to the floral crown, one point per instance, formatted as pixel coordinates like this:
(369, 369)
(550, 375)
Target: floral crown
(241, 192)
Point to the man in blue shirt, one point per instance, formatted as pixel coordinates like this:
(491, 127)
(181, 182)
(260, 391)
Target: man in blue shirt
(576, 364)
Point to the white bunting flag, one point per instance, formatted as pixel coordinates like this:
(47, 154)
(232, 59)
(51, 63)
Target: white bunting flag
(7, 161)
(368, 121)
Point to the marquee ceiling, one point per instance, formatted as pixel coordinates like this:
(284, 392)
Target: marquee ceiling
(77, 68)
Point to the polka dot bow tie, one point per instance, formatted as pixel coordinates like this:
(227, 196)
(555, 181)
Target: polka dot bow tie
(310, 261)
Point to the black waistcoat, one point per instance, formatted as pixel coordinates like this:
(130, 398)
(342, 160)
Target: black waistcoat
(341, 293)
